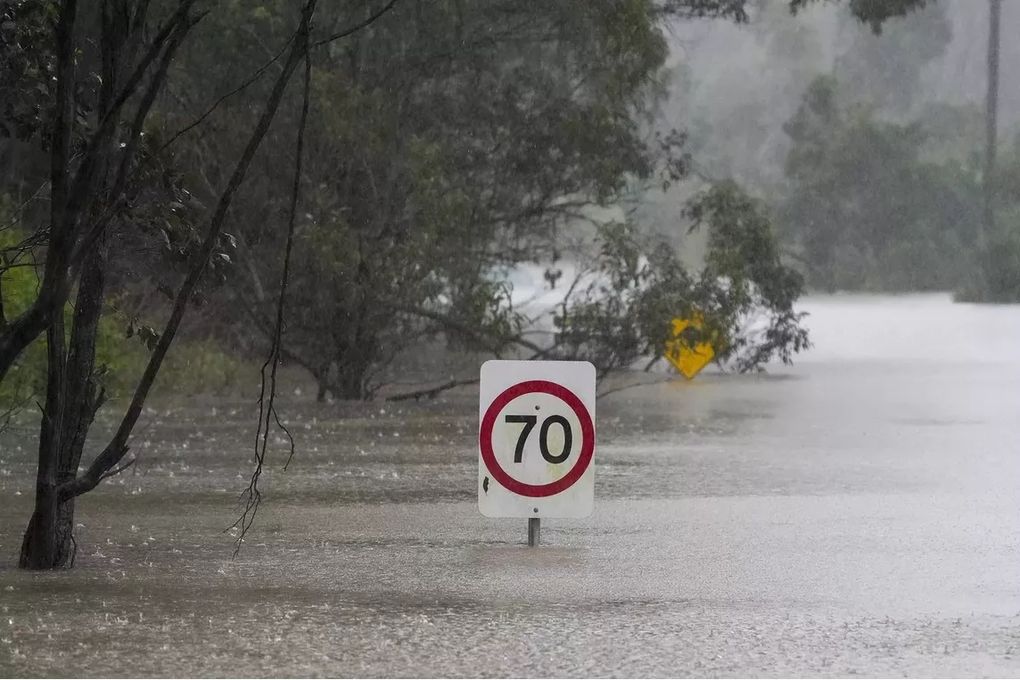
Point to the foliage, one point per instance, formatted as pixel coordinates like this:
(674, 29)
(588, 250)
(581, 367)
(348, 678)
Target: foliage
(623, 308)
(744, 257)
(27, 378)
(122, 346)
(1001, 266)
(873, 12)
(27, 67)
(865, 209)
(449, 142)
(201, 366)
(996, 279)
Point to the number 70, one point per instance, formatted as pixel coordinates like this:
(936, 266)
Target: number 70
(543, 436)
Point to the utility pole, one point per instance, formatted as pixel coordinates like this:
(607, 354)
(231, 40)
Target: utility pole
(991, 123)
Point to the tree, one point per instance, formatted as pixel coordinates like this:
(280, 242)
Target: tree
(83, 135)
(998, 263)
(997, 275)
(874, 13)
(865, 208)
(94, 136)
(620, 308)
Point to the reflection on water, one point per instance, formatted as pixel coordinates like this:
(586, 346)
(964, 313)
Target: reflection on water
(854, 513)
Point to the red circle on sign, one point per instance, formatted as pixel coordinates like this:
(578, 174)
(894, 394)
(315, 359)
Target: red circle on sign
(489, 455)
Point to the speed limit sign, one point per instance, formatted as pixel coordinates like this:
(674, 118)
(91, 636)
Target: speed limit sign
(536, 439)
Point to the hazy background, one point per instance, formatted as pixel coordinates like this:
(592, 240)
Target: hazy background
(734, 86)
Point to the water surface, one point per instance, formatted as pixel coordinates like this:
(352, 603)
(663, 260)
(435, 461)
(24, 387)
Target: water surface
(857, 513)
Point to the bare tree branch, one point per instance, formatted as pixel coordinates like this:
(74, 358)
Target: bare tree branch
(628, 386)
(119, 469)
(215, 105)
(358, 26)
(24, 204)
(493, 344)
(431, 392)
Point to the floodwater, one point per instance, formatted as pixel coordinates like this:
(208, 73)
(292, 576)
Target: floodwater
(857, 513)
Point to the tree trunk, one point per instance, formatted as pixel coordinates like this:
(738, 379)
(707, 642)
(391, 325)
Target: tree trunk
(356, 353)
(48, 541)
(71, 390)
(72, 398)
(358, 341)
(351, 380)
(322, 379)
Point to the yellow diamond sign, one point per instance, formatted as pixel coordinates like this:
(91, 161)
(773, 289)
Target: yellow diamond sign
(688, 359)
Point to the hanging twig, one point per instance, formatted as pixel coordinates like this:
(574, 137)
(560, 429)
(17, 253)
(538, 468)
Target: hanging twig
(267, 392)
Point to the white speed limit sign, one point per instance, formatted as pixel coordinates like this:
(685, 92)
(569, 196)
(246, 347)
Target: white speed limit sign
(536, 439)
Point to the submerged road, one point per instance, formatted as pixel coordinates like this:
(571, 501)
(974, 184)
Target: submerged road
(858, 513)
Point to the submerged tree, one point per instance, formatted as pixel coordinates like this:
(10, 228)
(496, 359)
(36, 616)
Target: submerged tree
(101, 100)
(620, 308)
(102, 69)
